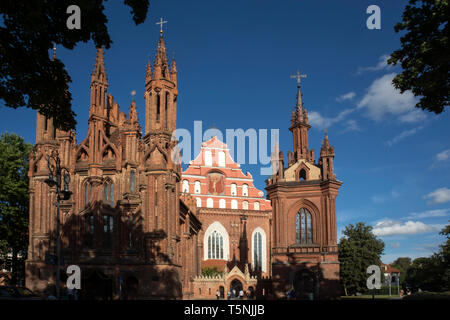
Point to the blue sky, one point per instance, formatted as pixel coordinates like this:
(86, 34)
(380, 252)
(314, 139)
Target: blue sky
(235, 59)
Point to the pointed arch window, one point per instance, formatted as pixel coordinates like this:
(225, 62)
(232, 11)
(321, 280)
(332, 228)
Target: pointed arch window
(108, 191)
(257, 251)
(158, 107)
(215, 246)
(87, 193)
(89, 231)
(304, 227)
(132, 181)
(108, 228)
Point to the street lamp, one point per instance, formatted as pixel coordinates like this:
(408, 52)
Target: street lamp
(56, 176)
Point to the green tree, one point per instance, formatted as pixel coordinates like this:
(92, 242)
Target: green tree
(210, 272)
(402, 264)
(29, 29)
(433, 273)
(425, 53)
(14, 199)
(358, 249)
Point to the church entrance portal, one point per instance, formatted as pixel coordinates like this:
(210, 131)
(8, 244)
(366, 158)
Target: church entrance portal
(96, 286)
(304, 285)
(236, 285)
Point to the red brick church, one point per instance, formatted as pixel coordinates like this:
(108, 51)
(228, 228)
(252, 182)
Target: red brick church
(139, 227)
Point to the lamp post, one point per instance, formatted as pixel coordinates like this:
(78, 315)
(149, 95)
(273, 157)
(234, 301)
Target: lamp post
(56, 176)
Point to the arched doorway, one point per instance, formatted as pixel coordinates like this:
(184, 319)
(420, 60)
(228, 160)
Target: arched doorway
(222, 292)
(236, 287)
(304, 284)
(96, 286)
(251, 292)
(131, 288)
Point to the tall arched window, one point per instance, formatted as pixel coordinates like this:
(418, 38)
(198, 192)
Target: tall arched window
(245, 190)
(108, 190)
(208, 158)
(256, 206)
(87, 193)
(89, 231)
(233, 189)
(199, 202)
(245, 205)
(215, 246)
(234, 204)
(302, 175)
(108, 228)
(186, 186)
(197, 189)
(304, 227)
(158, 107)
(222, 203)
(209, 203)
(257, 251)
(132, 180)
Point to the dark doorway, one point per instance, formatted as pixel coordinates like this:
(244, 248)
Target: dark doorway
(96, 286)
(304, 284)
(235, 285)
(131, 288)
(251, 293)
(222, 292)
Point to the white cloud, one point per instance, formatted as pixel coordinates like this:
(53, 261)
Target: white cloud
(402, 135)
(443, 156)
(390, 227)
(382, 64)
(377, 198)
(428, 214)
(440, 195)
(346, 96)
(383, 99)
(321, 122)
(351, 125)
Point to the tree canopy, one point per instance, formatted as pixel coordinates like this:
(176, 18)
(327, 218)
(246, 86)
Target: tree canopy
(432, 273)
(29, 77)
(358, 249)
(425, 53)
(14, 197)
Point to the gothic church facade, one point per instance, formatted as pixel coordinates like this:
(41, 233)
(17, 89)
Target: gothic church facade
(139, 227)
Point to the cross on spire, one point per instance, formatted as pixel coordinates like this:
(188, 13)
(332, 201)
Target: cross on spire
(161, 22)
(299, 77)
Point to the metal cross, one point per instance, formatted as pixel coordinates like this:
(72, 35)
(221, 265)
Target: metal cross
(299, 77)
(161, 22)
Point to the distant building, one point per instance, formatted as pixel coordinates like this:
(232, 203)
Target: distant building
(390, 272)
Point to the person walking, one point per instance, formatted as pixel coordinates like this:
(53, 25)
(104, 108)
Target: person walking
(218, 294)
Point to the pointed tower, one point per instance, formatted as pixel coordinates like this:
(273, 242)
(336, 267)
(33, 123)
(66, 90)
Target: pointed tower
(326, 159)
(303, 198)
(299, 128)
(99, 85)
(162, 172)
(161, 93)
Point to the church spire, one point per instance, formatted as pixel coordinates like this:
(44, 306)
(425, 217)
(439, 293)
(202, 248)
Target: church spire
(99, 84)
(299, 127)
